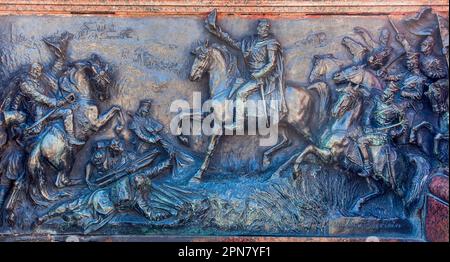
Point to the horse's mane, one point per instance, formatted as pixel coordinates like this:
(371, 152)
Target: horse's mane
(230, 59)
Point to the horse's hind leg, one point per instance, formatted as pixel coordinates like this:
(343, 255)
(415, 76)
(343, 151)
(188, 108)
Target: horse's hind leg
(323, 154)
(209, 153)
(64, 169)
(267, 155)
(375, 189)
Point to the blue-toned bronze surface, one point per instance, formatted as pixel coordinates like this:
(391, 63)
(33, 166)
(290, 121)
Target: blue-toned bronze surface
(90, 142)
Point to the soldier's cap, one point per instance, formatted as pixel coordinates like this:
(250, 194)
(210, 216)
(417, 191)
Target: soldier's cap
(264, 22)
(147, 102)
(59, 43)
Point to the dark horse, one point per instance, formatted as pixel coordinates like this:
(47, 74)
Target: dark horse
(89, 80)
(307, 106)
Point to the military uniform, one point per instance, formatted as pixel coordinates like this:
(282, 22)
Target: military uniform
(264, 61)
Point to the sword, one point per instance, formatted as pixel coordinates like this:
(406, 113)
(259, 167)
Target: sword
(28, 129)
(69, 99)
(261, 89)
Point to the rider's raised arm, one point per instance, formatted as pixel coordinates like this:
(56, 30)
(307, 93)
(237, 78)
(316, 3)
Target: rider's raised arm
(224, 36)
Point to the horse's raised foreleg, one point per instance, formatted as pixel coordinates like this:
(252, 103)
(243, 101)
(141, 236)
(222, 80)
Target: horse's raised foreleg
(375, 191)
(267, 155)
(209, 153)
(415, 129)
(104, 118)
(323, 154)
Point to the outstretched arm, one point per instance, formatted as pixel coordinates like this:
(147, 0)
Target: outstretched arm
(211, 26)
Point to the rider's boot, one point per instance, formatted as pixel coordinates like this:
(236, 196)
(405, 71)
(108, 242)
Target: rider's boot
(68, 125)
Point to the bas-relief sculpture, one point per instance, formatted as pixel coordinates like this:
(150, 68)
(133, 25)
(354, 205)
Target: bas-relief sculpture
(86, 148)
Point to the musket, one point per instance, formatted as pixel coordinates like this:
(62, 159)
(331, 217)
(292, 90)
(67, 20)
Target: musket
(117, 174)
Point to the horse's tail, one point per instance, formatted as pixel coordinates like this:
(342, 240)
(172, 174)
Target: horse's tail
(419, 179)
(38, 192)
(11, 160)
(323, 91)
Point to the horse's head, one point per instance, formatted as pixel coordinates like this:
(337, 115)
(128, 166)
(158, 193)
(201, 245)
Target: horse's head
(353, 74)
(322, 65)
(356, 49)
(349, 98)
(201, 63)
(100, 75)
(318, 70)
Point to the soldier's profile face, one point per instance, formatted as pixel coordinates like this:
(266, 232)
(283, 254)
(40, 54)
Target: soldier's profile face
(36, 70)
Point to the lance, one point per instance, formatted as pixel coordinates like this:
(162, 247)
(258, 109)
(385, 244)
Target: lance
(393, 26)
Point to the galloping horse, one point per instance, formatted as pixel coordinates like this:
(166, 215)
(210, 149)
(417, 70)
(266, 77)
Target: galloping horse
(307, 107)
(338, 146)
(89, 81)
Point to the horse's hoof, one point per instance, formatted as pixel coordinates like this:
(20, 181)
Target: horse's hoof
(356, 209)
(195, 179)
(276, 175)
(11, 219)
(296, 174)
(265, 163)
(412, 140)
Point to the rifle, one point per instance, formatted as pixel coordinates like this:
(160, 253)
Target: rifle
(122, 171)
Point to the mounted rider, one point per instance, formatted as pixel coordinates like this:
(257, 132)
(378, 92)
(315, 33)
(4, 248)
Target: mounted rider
(37, 92)
(383, 121)
(263, 58)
